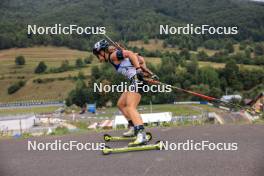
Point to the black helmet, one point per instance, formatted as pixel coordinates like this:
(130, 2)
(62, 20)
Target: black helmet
(98, 46)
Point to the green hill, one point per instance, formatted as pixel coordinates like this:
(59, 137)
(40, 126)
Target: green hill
(124, 19)
(58, 86)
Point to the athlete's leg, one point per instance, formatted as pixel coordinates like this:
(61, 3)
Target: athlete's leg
(122, 107)
(132, 101)
(121, 104)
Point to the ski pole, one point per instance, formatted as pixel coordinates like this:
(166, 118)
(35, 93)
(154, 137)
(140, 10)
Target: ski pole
(114, 43)
(205, 97)
(151, 81)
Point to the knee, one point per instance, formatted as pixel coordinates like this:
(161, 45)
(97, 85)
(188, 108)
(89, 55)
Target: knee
(121, 105)
(130, 108)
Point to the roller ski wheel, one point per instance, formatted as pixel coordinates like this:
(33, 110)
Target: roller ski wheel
(106, 150)
(148, 136)
(107, 137)
(159, 145)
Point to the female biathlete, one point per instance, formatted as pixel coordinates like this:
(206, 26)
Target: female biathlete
(132, 66)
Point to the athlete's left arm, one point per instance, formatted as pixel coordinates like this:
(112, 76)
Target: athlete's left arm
(144, 66)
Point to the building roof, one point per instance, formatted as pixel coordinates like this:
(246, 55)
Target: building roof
(256, 99)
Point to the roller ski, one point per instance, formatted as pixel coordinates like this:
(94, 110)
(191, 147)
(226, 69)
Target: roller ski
(108, 150)
(130, 135)
(141, 139)
(109, 138)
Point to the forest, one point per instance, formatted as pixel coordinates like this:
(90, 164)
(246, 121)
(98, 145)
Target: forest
(127, 20)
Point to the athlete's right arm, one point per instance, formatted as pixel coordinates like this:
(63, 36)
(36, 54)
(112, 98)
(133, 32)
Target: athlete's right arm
(133, 58)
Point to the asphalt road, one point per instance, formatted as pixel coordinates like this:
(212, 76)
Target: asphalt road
(248, 160)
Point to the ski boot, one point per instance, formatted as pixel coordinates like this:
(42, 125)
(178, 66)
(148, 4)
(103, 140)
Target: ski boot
(141, 138)
(130, 132)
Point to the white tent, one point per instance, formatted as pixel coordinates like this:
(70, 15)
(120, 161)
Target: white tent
(147, 118)
(228, 98)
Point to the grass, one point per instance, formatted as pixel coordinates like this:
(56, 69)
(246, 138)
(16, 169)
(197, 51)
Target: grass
(60, 131)
(80, 125)
(52, 56)
(176, 110)
(43, 53)
(28, 110)
(110, 112)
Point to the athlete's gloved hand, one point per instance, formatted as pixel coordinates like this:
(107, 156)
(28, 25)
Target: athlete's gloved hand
(155, 77)
(140, 74)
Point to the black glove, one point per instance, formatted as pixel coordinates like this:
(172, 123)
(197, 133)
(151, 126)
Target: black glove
(140, 74)
(155, 77)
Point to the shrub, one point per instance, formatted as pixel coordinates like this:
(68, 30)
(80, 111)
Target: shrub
(259, 49)
(79, 62)
(60, 131)
(81, 75)
(42, 67)
(15, 87)
(38, 80)
(80, 125)
(65, 65)
(26, 135)
(89, 59)
(20, 60)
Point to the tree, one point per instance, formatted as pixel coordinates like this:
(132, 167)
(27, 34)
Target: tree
(192, 66)
(215, 92)
(229, 47)
(202, 55)
(208, 75)
(79, 62)
(20, 60)
(231, 71)
(15, 87)
(146, 40)
(42, 67)
(89, 59)
(64, 65)
(248, 53)
(95, 72)
(259, 49)
(200, 88)
(231, 67)
(185, 53)
(79, 96)
(81, 75)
